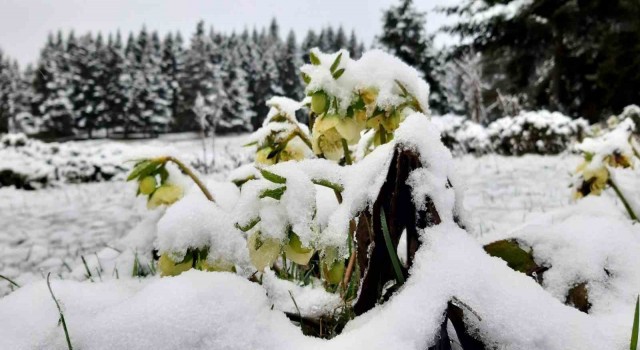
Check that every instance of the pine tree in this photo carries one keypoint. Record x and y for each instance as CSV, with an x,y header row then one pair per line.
x,y
250,61
149,107
201,76
87,72
53,90
118,85
353,46
340,40
235,108
9,85
267,79
404,36
172,67
289,61
577,57
310,41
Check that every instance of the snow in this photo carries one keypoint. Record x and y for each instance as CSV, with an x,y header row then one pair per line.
x,y
505,197
195,222
375,70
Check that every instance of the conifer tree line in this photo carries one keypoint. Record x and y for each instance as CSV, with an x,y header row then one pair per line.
x,y
581,58
141,84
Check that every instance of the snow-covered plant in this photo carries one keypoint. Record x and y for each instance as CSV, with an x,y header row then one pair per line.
x,y
614,149
462,135
301,203
27,163
539,132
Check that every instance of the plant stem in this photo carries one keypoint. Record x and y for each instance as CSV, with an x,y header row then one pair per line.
x,y
185,169
337,188
623,200
392,252
635,152
297,309
64,324
9,280
347,154
352,256
300,132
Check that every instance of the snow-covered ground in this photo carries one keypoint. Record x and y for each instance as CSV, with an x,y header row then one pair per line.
x,y
51,229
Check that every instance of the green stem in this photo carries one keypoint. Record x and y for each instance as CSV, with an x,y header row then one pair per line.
x,y
347,154
300,132
623,200
337,188
383,135
9,280
64,324
392,252
185,169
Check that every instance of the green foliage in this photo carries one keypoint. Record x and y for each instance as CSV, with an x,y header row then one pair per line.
x,y
516,257
578,57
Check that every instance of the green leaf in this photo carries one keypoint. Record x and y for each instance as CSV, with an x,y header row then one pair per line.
x,y
250,144
338,73
329,184
634,330
405,93
240,182
306,78
275,193
336,63
164,174
314,59
517,258
248,226
138,169
275,178
392,251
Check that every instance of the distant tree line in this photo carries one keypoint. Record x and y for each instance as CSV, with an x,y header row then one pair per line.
x,y
581,58
97,86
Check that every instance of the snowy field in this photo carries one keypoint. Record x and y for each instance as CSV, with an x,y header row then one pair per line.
x,y
529,196
50,230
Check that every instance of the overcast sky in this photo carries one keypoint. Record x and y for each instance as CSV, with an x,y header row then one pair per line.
x,y
24,24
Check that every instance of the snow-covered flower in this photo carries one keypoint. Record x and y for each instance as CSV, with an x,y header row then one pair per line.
x,y
328,133
165,195
263,251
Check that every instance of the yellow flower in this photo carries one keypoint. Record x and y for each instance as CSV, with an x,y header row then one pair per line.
x,y
263,251
618,160
596,178
164,195
369,95
296,252
328,132
389,122
218,265
168,267
295,150
262,154
332,266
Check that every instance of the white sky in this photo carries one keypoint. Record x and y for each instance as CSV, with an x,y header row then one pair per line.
x,y
24,24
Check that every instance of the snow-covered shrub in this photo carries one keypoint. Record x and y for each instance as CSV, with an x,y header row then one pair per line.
x,y
30,164
462,135
539,132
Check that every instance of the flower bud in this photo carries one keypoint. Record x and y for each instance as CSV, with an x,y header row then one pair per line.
x,y
147,185
319,102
